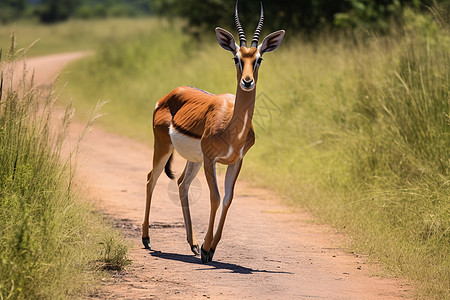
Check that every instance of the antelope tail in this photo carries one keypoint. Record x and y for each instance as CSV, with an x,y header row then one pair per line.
x,y
167,169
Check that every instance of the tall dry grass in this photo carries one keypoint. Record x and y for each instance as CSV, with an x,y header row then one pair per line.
x,y
52,244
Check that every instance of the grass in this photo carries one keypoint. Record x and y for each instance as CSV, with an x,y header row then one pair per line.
x,y
52,244
73,35
355,129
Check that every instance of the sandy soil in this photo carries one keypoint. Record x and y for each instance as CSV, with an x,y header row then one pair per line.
x,y
268,251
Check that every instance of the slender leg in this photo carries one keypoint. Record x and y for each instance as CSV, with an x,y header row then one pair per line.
x,y
210,172
230,181
189,173
161,155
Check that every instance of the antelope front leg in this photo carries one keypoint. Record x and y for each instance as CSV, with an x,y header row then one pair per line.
x,y
210,171
230,181
184,183
161,155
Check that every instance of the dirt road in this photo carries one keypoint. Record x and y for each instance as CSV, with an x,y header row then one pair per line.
x,y
268,250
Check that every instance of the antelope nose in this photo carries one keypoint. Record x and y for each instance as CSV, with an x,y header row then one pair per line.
x,y
247,83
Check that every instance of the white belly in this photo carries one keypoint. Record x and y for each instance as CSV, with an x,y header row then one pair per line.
x,y
186,146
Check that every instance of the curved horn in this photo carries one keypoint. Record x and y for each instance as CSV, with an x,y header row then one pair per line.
x,y
258,29
242,39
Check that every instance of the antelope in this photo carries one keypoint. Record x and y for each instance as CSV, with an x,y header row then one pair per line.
x,y
209,129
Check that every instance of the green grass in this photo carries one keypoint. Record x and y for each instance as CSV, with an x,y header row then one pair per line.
x,y
352,128
52,244
73,35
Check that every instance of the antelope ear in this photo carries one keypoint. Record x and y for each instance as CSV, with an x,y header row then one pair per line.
x,y
271,42
226,40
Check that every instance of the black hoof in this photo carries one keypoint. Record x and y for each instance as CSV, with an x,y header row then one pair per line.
x,y
211,254
195,249
204,255
146,242
207,256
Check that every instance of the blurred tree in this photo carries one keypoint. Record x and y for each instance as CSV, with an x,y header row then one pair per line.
x,y
11,9
295,15
51,11
114,8
374,14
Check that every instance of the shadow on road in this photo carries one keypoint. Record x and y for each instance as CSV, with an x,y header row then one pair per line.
x,y
211,265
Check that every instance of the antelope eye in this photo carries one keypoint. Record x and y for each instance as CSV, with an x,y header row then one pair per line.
x,y
259,60
236,60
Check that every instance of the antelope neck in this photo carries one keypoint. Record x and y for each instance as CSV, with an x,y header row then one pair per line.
x,y
244,106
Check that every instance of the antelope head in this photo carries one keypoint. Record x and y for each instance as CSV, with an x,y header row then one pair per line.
x,y
248,59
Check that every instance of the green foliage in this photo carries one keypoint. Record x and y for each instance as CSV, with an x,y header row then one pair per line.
x,y
56,10
113,8
370,14
293,16
11,10
290,15
48,239
306,16
356,129
52,11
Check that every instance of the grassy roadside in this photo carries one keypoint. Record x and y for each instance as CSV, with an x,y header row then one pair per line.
x,y
52,244
353,128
